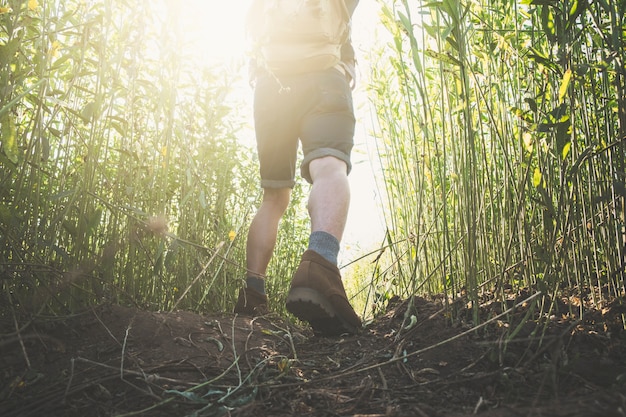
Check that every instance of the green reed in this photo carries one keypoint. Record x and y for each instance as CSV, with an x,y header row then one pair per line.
x,y
122,176
502,140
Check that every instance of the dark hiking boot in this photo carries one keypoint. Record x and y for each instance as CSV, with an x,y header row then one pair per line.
x,y
318,297
251,303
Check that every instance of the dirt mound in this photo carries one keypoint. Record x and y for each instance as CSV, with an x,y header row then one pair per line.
x,y
412,360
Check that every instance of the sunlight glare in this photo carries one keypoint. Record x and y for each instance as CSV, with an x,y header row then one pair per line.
x,y
214,31
214,34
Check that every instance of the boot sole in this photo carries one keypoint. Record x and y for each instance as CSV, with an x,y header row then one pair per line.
x,y
311,306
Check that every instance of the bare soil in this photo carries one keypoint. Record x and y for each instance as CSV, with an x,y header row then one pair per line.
x,y
412,360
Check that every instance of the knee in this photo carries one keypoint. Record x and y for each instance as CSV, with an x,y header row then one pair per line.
x,y
327,166
276,198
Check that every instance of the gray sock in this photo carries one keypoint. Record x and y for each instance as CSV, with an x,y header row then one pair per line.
x,y
326,245
256,283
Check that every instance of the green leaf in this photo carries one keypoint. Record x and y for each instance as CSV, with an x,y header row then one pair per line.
x,y
531,103
447,58
88,112
8,138
433,4
549,23
527,138
537,177
578,8
119,124
586,153
60,61
543,59
538,2
566,149
430,29
406,23
8,50
567,76
449,6
563,134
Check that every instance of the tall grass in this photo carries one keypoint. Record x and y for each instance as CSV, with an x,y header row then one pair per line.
x,y
122,178
502,136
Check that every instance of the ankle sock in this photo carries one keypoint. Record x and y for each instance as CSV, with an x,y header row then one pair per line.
x,y
256,283
325,244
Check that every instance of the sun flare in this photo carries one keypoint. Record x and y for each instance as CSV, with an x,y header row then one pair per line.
x,y
213,34
214,31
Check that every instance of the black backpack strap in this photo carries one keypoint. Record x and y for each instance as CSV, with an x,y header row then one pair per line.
x,y
347,50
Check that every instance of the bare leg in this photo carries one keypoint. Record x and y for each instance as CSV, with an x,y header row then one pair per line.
x,y
263,230
317,294
329,200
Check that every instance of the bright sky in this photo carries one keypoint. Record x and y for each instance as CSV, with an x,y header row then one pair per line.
x,y
216,32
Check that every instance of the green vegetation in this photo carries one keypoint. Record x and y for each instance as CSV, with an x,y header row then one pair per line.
x,y
121,175
501,130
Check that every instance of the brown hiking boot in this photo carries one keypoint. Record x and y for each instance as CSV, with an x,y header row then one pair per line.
x,y
317,296
251,303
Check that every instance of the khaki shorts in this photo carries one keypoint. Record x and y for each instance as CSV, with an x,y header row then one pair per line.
x,y
314,109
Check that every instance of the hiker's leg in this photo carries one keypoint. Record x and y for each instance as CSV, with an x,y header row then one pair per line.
x,y
263,230
329,200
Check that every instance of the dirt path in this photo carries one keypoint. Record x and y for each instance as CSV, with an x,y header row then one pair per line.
x,y
113,360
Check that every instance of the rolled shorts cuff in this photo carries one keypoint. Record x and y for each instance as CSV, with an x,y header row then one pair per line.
x,y
277,183
321,153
